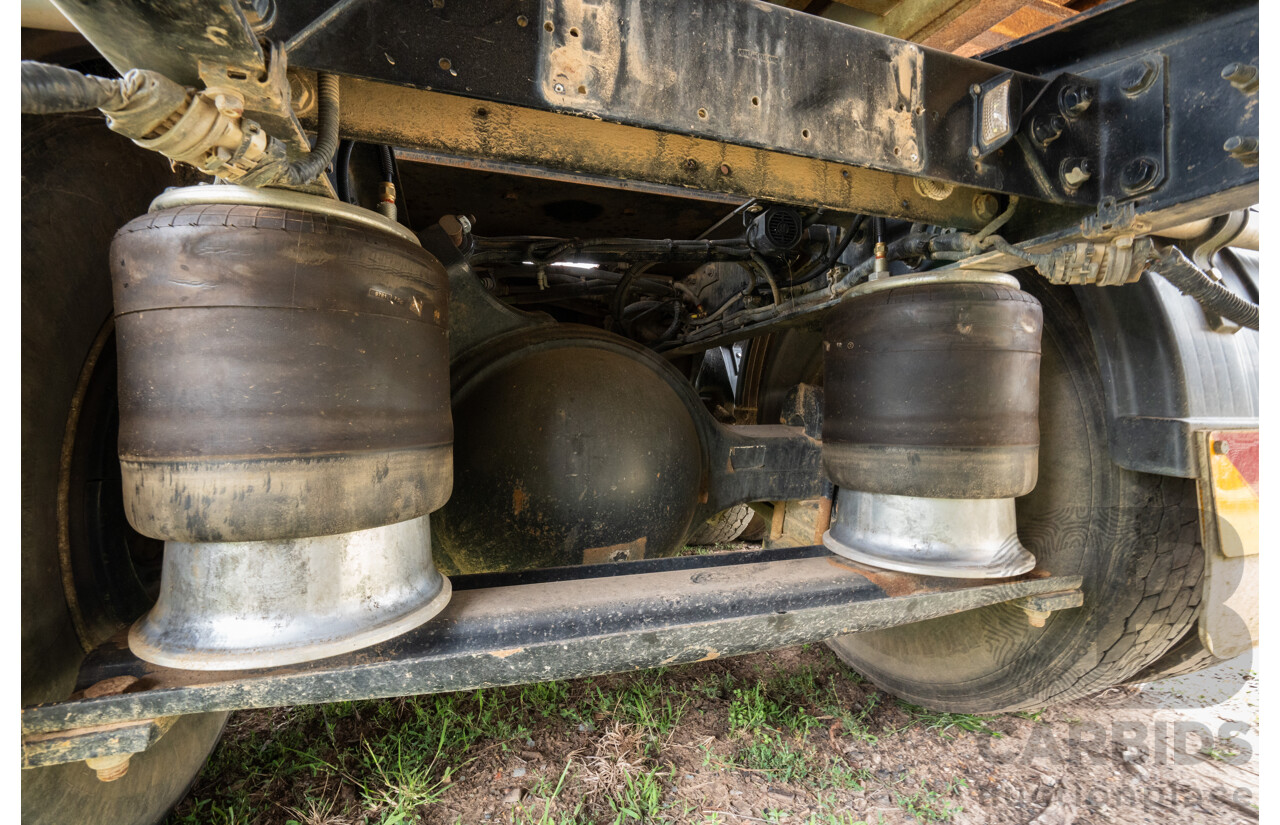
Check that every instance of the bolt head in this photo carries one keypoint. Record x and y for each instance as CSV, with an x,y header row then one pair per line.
x,y
985,206
1075,171
1139,174
109,768
1074,100
1240,145
559,87
229,105
1241,73
1137,77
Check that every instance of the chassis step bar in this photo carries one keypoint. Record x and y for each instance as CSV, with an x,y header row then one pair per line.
x,y
538,626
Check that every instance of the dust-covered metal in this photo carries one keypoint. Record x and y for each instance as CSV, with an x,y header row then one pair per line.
x,y
196,43
552,469
626,480
1039,608
587,621
283,369
117,739
956,537
235,605
561,144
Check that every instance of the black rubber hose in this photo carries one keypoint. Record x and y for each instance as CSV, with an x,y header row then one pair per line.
x,y
306,169
49,89
914,245
342,171
618,305
675,322
388,163
829,260
1174,267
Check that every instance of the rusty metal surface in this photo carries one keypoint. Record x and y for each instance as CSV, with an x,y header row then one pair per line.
x,y
738,72
47,749
759,80
502,635
493,131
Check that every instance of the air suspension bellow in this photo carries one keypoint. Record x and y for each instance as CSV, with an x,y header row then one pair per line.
x,y
931,423
284,423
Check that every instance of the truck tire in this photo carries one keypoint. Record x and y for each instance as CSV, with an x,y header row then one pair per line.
x,y
1187,656
1133,537
723,527
80,182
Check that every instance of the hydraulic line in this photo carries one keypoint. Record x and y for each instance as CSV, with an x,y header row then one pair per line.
x,y
1178,270
342,171
309,166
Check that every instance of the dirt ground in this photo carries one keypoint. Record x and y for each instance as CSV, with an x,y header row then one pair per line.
x,y
791,736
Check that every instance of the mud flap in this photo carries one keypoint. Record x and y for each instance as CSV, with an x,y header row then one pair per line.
x,y
1227,485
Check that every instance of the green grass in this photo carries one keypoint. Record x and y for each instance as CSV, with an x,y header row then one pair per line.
x,y
640,799
781,722
1219,754
926,805
947,724
774,759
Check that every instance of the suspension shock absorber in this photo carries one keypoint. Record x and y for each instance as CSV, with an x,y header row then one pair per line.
x,y
284,424
931,424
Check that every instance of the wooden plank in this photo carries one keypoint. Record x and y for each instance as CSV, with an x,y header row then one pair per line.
x,y
1030,18
1002,16
984,42
970,23
880,7
918,19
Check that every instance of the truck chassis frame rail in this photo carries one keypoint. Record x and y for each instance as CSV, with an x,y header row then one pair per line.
x,y
534,626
